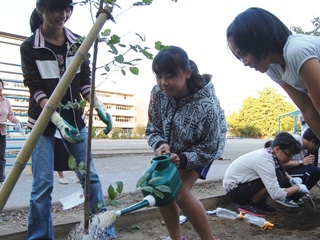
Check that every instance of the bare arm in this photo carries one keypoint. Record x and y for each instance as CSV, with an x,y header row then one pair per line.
x,y
306,106
310,74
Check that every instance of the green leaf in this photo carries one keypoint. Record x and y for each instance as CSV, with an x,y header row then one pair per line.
x,y
142,180
147,2
142,39
154,180
148,55
158,193
111,192
136,60
107,68
114,202
134,48
123,72
147,189
82,166
163,188
114,39
119,186
72,162
106,32
83,103
122,45
119,58
134,70
113,49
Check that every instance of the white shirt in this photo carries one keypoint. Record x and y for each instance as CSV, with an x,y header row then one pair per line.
x,y
298,49
251,166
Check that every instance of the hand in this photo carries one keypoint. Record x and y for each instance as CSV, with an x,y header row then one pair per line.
x,y
103,115
303,189
295,181
308,160
67,131
164,148
19,128
175,159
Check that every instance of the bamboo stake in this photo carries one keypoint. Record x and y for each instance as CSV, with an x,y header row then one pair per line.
x,y
50,107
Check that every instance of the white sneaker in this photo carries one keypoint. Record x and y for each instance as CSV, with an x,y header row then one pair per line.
x,y
288,203
63,181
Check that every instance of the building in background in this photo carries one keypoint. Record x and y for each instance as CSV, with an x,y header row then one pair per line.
x,y
121,104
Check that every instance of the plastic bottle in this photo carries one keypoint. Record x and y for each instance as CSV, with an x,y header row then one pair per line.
x,y
258,221
226,213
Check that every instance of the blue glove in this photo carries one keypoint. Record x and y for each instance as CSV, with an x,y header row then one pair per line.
x,y
67,131
295,181
103,115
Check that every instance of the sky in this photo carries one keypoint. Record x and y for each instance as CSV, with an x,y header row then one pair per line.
x,y
198,27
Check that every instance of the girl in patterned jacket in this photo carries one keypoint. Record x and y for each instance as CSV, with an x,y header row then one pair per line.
x,y
185,120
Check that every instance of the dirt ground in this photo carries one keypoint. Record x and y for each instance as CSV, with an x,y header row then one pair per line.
x,y
302,223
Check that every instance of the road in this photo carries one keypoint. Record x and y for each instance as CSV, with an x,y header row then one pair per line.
x,y
122,160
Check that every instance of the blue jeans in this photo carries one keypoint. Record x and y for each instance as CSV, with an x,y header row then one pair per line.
x,y
40,219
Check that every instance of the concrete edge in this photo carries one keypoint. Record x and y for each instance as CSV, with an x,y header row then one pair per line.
x,y
63,228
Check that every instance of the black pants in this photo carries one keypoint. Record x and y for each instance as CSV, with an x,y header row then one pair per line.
x,y
2,157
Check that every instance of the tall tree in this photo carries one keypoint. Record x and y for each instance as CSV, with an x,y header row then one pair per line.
x,y
315,22
258,117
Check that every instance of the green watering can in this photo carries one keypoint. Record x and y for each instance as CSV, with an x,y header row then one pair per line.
x,y
161,166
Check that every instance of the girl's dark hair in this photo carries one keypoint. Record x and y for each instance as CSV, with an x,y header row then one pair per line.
x,y
285,140
47,6
2,83
173,60
258,32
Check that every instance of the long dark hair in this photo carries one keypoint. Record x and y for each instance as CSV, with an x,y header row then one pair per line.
x,y
258,32
174,59
47,6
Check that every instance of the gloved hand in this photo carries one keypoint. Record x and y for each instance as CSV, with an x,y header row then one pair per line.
x,y
303,189
103,115
19,128
67,131
295,181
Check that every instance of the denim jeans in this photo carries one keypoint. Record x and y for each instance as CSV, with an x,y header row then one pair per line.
x,y
40,218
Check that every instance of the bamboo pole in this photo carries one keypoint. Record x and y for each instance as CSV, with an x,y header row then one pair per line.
x,y
50,107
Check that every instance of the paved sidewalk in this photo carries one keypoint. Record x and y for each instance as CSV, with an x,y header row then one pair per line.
x,y
127,169
118,164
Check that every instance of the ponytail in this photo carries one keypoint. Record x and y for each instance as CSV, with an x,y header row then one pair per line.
x,y
35,20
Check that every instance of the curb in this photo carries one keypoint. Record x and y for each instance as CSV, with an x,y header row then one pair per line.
x,y
63,229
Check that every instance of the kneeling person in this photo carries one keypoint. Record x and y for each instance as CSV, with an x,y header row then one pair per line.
x,y
252,177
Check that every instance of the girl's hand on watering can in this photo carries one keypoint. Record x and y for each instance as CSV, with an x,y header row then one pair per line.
x,y
175,159
164,148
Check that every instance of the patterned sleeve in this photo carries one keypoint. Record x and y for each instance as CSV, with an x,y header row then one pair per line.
x,y
154,129
213,143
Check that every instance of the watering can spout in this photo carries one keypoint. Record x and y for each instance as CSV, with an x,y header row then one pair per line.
x,y
148,201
